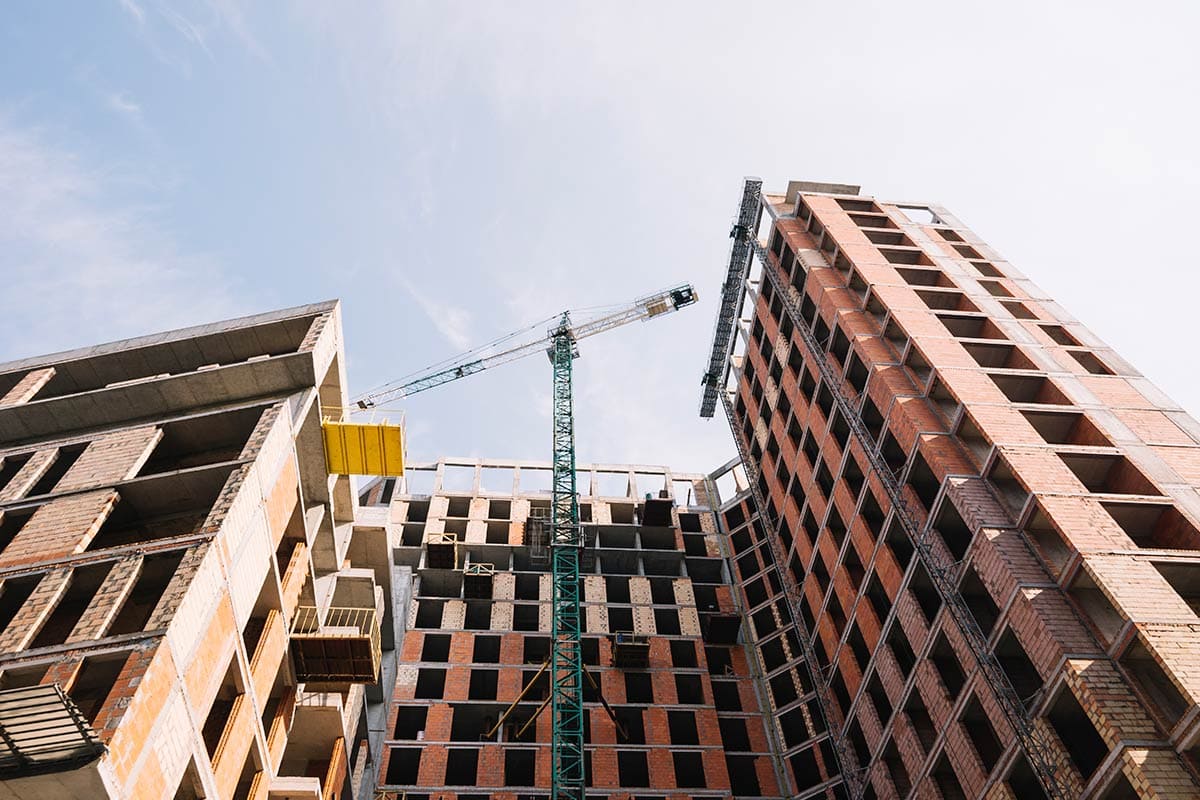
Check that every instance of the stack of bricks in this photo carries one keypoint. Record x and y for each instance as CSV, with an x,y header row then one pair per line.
x,y
1052,487
693,722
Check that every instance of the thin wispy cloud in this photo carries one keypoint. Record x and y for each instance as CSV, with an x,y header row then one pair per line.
x,y
453,323
81,267
198,26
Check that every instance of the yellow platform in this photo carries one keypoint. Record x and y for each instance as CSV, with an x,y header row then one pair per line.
x,y
353,448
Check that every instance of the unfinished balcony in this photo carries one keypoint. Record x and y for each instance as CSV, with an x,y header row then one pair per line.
x,y
42,731
630,650
335,647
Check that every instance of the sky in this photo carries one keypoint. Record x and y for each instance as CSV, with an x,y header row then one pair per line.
x,y
454,171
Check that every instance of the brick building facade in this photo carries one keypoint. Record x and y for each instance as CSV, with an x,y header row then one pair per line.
x,y
165,519
662,639
969,530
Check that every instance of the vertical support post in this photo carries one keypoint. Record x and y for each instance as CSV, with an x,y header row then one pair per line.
x,y
566,676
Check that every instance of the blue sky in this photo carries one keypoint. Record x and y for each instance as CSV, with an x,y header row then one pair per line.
x,y
453,171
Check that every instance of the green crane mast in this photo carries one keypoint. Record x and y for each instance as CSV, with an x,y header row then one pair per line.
x,y
560,343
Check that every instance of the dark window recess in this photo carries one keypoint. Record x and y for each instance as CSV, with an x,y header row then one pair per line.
x,y
783,689
633,720
725,696
638,688
979,729
918,717
95,681
953,529
862,752
1154,683
879,699
403,765
1020,670
900,545
926,595
84,583
410,721
923,482
1023,782
431,683
871,513
947,782
633,771
483,684
900,648
743,777
893,454
979,600
734,735
805,769
436,648
461,766
13,594
878,598
772,654
858,646
682,727
945,661
156,573
519,767
683,654
720,662
689,690
689,770
1079,736
896,770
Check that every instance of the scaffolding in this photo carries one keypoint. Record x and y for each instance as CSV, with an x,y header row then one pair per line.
x,y
731,294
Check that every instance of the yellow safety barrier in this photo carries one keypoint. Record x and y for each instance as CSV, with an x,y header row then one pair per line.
x,y
353,448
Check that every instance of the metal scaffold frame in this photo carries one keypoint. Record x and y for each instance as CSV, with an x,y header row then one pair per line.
x,y
731,295
566,673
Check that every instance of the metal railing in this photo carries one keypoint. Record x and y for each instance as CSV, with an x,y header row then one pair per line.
x,y
42,730
339,623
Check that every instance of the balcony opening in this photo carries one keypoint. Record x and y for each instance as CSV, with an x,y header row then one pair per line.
x,y
878,598
156,573
84,583
925,484
689,770
896,769
948,667
431,684
726,696
999,355
1090,362
1050,544
900,545
979,600
1108,473
220,713
436,648
946,300
1097,609
1154,525
918,717
483,683
95,681
925,593
67,456
1065,427
682,727
1012,493
901,650
1024,782
979,730
11,523
1021,673
633,769
410,722
13,594
403,766
1079,736
1036,389
971,326
805,769
879,699
638,688
462,765
519,767
1154,683
1060,335
1184,577
947,782
689,690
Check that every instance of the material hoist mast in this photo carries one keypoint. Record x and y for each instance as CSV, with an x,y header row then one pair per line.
x,y
566,540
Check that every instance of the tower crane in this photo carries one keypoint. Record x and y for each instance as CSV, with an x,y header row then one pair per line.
x,y
560,343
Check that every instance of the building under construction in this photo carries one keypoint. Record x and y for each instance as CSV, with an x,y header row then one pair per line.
x,y
190,604
970,538
956,557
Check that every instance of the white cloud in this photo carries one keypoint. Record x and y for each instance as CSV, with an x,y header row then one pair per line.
x,y
451,322
79,266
